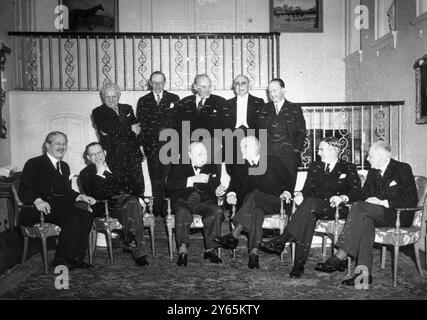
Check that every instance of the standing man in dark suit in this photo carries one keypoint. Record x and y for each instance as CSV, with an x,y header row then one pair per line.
x,y
117,127
101,183
193,189
155,112
45,186
285,124
242,110
329,183
256,195
390,184
203,110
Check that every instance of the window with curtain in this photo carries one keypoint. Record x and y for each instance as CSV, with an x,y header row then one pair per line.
x,y
421,7
352,27
385,17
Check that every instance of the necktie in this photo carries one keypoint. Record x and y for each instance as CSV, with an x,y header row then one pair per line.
x,y
107,174
327,169
158,99
58,167
200,105
197,168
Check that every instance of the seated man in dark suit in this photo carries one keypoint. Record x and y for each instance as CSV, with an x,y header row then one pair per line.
x,y
390,184
255,195
120,190
330,182
193,188
45,186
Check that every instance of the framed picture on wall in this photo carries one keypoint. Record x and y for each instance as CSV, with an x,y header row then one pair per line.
x,y
296,15
92,15
420,67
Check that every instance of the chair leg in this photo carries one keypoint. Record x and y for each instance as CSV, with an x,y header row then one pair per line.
x,y
348,266
94,241
233,253
24,254
44,254
383,254
170,240
110,246
282,256
153,249
417,258
396,258
293,245
90,246
325,238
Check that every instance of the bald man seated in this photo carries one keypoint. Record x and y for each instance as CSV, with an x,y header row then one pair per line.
x,y
193,188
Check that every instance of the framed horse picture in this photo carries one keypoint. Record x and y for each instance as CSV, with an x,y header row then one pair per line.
x,y
91,15
296,15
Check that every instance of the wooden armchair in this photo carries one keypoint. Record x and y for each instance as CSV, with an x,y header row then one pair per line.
x,y
170,225
40,230
398,236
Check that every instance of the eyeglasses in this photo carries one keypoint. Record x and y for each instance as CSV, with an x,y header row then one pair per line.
x,y
96,154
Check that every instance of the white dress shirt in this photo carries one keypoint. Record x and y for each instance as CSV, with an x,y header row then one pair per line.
x,y
54,161
198,100
279,105
242,111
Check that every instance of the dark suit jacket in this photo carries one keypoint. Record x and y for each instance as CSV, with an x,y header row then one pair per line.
x,y
342,180
230,112
153,119
289,123
274,181
123,153
397,185
106,188
176,182
209,117
40,179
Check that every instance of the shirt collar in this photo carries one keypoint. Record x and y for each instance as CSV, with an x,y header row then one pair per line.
x,y
198,98
332,165
52,159
243,98
384,167
279,104
160,94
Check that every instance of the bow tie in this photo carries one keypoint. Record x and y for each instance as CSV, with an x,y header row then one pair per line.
x,y
198,168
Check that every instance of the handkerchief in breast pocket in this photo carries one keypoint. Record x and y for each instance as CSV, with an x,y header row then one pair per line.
x,y
393,183
343,176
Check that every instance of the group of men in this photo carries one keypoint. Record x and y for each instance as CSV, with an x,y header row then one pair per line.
x,y
114,173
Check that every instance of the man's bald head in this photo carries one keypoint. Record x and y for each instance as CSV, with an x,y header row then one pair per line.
x,y
198,154
241,85
379,154
250,148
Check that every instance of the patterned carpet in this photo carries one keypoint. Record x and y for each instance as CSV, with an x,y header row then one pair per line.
x,y
201,280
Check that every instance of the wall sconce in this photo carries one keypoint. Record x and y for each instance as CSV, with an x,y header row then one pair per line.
x,y
3,51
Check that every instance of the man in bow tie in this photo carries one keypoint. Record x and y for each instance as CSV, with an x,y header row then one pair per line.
x,y
121,191
256,194
330,182
155,112
193,188
390,184
45,189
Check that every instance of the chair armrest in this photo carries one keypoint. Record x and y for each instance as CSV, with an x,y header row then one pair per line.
x,y
402,210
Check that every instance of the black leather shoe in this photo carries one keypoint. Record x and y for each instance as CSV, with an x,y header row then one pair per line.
x,y
78,264
253,261
227,241
331,265
273,246
61,262
212,256
350,281
297,270
182,260
141,261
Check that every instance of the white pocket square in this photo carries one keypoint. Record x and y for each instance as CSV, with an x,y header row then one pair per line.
x,y
343,176
172,105
393,183
214,175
